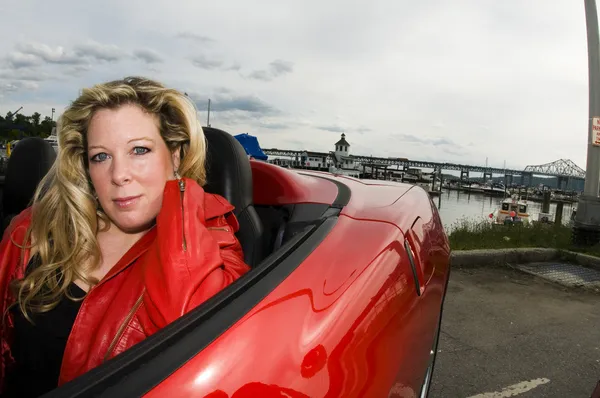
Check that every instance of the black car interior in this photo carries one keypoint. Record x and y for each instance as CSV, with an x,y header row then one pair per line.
x,y
228,174
29,162
263,229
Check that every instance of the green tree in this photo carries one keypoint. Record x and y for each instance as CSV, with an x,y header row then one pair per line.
x,y
35,118
15,134
19,126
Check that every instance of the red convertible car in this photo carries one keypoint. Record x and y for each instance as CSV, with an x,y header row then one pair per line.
x,y
344,298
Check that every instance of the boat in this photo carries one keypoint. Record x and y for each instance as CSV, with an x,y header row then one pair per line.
x,y
451,185
495,189
472,187
511,211
53,140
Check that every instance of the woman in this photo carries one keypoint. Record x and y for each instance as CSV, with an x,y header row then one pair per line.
x,y
120,240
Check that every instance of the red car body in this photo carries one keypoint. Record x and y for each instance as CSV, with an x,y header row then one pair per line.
x,y
348,322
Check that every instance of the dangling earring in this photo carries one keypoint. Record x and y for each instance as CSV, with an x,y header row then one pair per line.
x,y
180,181
97,201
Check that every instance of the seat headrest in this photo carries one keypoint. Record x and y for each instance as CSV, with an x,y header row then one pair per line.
x,y
29,162
228,171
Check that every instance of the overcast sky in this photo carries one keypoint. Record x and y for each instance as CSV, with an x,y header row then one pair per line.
x,y
444,80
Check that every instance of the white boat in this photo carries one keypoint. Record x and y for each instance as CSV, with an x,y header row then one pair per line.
x,y
450,185
53,140
472,187
512,210
495,189
410,177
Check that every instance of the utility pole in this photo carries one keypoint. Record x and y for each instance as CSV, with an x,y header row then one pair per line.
x,y
586,229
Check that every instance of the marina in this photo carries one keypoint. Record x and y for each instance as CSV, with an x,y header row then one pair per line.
x,y
456,206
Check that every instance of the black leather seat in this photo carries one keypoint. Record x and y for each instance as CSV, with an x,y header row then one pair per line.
x,y
29,162
229,174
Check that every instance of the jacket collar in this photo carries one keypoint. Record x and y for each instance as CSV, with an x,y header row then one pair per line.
x,y
135,251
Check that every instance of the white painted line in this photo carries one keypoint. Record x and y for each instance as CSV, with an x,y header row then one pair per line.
x,y
514,390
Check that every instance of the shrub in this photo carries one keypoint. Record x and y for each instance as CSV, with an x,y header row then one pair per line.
x,y
467,235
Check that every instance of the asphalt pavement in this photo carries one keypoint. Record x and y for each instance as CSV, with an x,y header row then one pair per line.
x,y
510,334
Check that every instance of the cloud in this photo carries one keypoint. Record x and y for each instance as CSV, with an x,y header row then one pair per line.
x,y
25,75
227,101
457,151
276,69
426,140
18,60
149,56
247,103
99,51
34,54
260,75
78,70
10,87
274,125
411,138
279,67
332,128
203,62
442,141
46,54
195,37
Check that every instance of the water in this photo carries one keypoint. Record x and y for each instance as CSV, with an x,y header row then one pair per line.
x,y
456,205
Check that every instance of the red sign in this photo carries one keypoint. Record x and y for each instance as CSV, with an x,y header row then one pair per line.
x,y
596,131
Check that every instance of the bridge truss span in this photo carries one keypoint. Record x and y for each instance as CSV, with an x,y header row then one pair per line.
x,y
561,167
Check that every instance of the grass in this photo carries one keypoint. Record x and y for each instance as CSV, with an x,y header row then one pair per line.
x,y
470,235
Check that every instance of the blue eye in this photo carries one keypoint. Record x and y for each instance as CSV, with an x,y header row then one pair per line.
x,y
140,150
100,157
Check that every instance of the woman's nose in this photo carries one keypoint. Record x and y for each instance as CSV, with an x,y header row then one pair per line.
x,y
120,171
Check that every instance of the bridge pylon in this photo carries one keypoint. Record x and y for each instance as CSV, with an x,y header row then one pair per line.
x,y
487,175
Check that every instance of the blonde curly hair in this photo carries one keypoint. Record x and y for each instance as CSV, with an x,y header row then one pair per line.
x,y
65,215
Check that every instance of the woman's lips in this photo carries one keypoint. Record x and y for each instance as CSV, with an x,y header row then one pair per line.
x,y
129,201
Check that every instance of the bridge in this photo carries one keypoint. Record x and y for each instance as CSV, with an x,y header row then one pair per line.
x,y
562,169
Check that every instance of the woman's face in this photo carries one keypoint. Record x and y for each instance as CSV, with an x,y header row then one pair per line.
x,y
129,164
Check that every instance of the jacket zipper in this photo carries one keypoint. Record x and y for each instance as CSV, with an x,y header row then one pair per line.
x,y
182,190
121,329
218,229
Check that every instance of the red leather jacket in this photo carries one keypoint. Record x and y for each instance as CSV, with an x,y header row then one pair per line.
x,y
187,257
